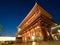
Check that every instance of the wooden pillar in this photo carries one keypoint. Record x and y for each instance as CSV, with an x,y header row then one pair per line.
x,y
23,38
40,34
30,35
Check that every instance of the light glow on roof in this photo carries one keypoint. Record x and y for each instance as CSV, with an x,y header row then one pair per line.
x,y
55,27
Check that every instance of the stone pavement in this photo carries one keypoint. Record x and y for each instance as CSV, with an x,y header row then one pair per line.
x,y
41,43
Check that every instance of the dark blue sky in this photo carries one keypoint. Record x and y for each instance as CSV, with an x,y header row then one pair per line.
x,y
12,12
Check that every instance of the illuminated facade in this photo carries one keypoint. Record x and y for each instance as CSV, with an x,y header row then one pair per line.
x,y
6,38
36,25
56,32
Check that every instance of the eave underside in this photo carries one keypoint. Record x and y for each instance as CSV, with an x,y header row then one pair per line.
x,y
30,14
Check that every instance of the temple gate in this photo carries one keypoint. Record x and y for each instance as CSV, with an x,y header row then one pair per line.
x,y
36,25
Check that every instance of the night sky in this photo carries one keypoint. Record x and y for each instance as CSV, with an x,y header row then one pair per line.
x,y
12,12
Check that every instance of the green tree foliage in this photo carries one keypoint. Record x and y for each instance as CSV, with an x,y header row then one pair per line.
x,y
0,27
